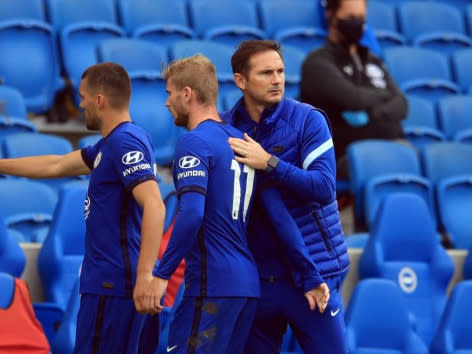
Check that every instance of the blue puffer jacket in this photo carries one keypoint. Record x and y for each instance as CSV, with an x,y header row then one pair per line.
x,y
300,136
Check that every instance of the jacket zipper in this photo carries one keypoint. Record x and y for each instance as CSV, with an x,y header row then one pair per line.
x,y
323,235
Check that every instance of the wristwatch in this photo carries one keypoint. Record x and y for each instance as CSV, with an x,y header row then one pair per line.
x,y
272,163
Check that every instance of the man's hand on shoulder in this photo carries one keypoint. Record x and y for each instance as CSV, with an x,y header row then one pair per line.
x,y
250,152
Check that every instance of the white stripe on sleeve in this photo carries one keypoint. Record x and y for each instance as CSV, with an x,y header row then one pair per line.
x,y
312,156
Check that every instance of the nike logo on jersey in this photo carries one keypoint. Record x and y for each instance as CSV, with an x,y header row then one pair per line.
x,y
169,349
334,313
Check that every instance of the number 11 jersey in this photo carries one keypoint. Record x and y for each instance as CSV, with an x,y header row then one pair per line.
x,y
219,263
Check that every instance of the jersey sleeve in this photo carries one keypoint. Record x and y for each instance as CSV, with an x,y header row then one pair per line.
x,y
89,154
133,160
191,165
315,178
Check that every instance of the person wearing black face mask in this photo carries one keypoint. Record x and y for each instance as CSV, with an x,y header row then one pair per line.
x,y
351,84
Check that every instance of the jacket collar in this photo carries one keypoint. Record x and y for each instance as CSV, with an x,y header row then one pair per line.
x,y
269,116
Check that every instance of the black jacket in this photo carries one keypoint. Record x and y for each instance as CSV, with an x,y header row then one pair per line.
x,y
332,82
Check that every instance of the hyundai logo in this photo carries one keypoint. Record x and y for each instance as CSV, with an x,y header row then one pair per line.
x,y
189,162
132,157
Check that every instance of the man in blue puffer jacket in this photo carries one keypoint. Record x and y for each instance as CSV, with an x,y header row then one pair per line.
x,y
291,142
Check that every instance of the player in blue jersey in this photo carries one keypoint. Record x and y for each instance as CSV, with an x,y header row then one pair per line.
x,y
124,215
215,197
292,142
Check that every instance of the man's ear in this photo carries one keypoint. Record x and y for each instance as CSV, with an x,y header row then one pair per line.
x,y
240,80
187,94
100,100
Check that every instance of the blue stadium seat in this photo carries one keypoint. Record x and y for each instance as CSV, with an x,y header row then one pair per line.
x,y
148,110
293,60
64,13
13,114
377,320
219,53
357,240
12,103
22,9
420,126
455,117
382,18
27,207
229,22
448,159
88,140
467,268
134,55
461,69
454,204
300,27
82,25
468,16
38,80
30,144
61,255
459,4
12,256
378,188
453,335
160,21
230,98
421,72
403,247
440,26
373,158
64,341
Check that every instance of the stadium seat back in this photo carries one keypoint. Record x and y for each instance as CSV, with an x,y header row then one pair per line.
x,y
453,335
409,253
377,320
61,255
448,159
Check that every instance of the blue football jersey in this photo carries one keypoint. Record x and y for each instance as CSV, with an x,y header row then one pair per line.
x,y
219,263
119,162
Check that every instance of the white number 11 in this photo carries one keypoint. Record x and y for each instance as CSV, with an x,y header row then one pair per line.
x,y
235,166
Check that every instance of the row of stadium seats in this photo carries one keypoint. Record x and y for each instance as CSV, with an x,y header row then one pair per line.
x,y
24,33
443,179
434,25
449,119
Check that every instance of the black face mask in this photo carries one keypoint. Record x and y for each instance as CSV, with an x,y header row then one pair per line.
x,y
351,29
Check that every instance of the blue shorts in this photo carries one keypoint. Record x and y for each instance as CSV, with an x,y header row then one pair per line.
x,y
111,325
281,303
212,325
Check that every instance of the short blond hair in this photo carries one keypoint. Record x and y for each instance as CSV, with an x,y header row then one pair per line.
x,y
196,72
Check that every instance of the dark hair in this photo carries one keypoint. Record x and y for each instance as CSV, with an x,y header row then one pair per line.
x,y
241,57
333,5
111,80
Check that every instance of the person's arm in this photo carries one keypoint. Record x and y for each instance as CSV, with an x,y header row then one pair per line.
x,y
304,270
315,179
184,234
288,233
148,196
322,80
191,184
396,108
45,166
